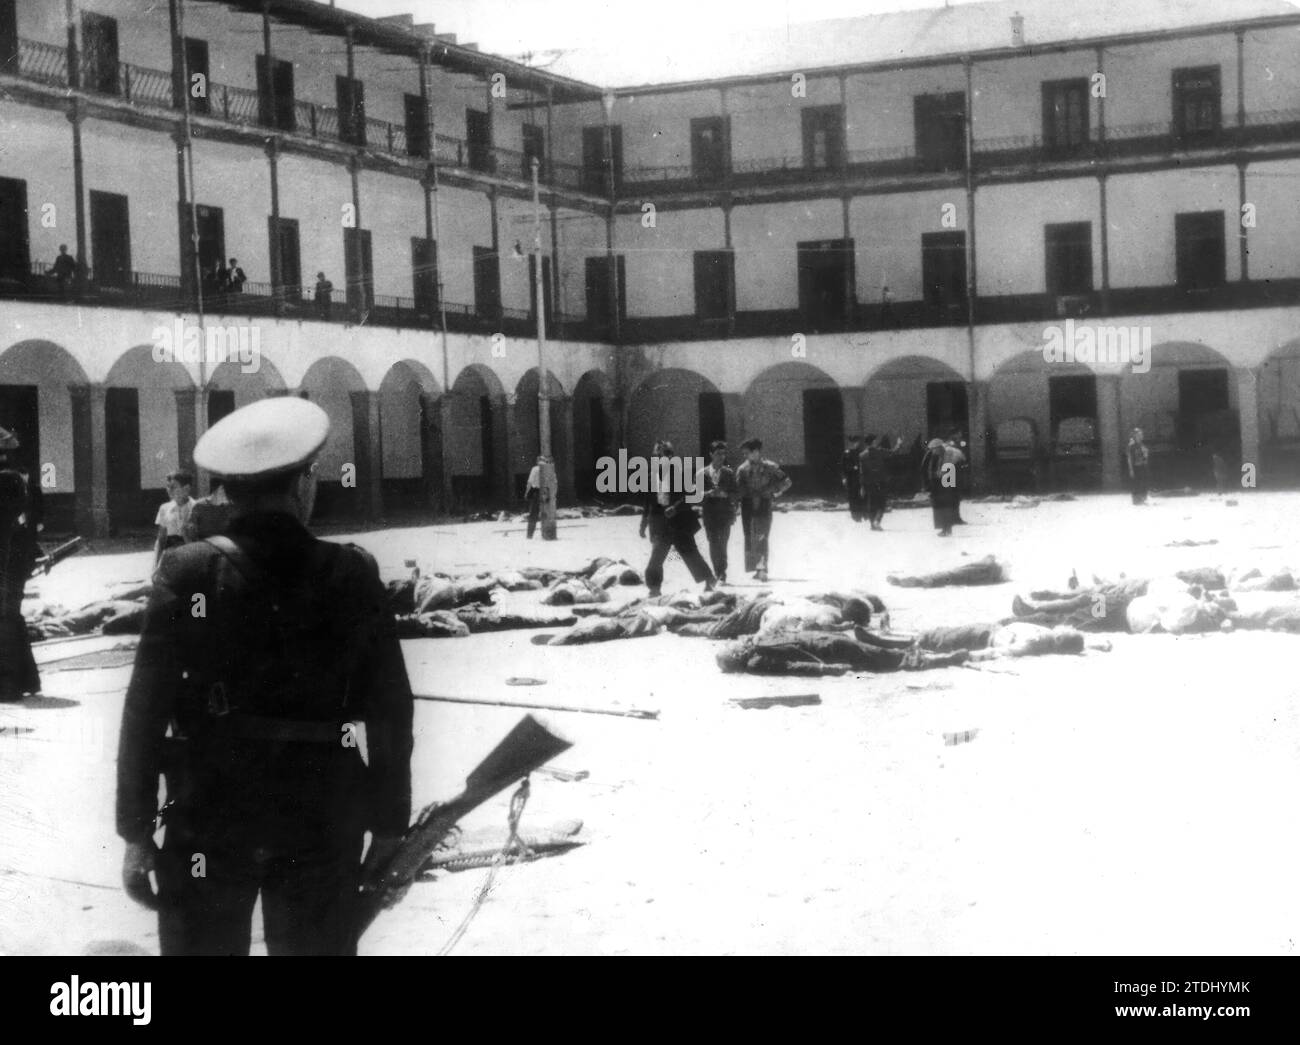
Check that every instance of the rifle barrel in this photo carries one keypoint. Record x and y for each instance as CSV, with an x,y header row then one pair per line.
x,y
644,713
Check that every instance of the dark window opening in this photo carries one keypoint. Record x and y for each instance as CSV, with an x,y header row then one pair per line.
x,y
597,167
709,148
715,283
1065,115
424,268
940,122
99,61
946,408
417,126
534,149
826,279
487,283
289,277
110,239
1069,257
9,36
351,96
15,256
1073,396
478,136
823,137
359,270
196,65
282,114
599,289
221,402
943,268
1199,243
1198,103
713,420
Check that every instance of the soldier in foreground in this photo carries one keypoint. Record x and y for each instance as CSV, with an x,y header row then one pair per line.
x,y
260,651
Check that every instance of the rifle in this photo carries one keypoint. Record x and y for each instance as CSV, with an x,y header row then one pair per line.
x,y
47,562
525,748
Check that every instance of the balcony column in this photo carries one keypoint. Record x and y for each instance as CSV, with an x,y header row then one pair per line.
x,y
977,393
561,408
75,115
850,291
494,215
355,290
433,463
367,453
1243,234
557,306
277,260
726,243
491,125
1241,79
1248,418
615,322
90,459
1110,430
1104,245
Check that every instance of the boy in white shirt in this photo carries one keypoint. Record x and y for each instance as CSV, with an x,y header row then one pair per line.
x,y
173,514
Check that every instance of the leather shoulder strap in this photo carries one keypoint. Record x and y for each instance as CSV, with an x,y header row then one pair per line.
x,y
240,559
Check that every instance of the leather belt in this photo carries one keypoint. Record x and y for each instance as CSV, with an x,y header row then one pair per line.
x,y
262,727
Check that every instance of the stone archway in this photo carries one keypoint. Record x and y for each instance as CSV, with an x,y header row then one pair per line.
x,y
799,413
476,439
348,467
410,422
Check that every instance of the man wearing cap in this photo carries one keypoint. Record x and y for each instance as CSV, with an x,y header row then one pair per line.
x,y
18,552
261,652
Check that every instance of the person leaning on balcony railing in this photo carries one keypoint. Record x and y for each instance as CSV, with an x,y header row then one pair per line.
x,y
324,295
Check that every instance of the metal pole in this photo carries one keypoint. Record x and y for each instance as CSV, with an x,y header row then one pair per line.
x,y
194,212
546,469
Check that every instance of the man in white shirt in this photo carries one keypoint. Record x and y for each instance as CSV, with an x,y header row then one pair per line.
x,y
173,514
533,495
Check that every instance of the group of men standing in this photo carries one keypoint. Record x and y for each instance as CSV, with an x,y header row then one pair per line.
x,y
670,522
865,474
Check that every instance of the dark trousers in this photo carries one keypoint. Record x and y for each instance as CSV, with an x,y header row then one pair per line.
x,y
1141,483
309,896
857,503
874,501
534,510
757,524
718,531
665,538
18,674
943,500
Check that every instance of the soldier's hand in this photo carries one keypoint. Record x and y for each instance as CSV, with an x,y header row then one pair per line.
x,y
382,848
643,529
139,860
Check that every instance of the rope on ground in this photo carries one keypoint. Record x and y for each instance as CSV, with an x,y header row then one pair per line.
x,y
513,844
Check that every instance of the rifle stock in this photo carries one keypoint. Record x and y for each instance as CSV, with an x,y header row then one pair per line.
x,y
525,748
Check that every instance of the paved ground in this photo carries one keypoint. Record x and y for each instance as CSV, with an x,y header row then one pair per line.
x,y
1139,801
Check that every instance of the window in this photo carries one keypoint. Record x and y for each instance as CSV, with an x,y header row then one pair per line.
x,y
534,147
99,53
947,408
212,245
598,275
715,283
285,245
825,283
709,153
417,126
196,64
8,35
1197,102
1065,115
15,261
359,268
110,239
940,123
943,268
713,420
823,137
1069,257
351,96
478,136
596,166
487,284
424,270
1198,240
281,114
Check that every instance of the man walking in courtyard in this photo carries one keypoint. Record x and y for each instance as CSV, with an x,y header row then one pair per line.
x,y
759,482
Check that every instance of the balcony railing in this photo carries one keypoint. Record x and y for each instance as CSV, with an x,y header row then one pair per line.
x,y
42,62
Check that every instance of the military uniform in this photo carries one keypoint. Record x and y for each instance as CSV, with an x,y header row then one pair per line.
x,y
19,517
258,654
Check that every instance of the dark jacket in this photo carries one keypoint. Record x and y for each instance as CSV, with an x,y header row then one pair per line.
x,y
299,634
677,517
719,504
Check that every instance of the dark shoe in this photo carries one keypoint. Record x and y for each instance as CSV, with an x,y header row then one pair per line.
x,y
653,593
